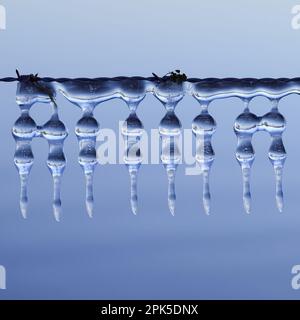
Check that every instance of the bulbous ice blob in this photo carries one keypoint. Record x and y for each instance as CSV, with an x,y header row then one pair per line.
x,y
170,125
23,156
132,126
205,154
277,151
245,152
246,122
204,123
87,127
56,160
87,154
54,129
24,127
273,122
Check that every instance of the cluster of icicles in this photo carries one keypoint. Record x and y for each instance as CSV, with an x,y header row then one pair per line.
x,y
88,93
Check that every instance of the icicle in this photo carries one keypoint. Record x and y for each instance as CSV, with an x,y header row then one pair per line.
x,y
56,197
133,189
29,91
55,133
206,192
24,130
87,129
171,171
245,126
275,124
89,193
133,91
23,194
204,127
132,131
169,92
87,94
170,132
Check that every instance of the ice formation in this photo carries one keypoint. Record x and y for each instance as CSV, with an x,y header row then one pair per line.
x,y
89,93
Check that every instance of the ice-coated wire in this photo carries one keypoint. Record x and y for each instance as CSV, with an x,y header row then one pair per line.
x,y
88,93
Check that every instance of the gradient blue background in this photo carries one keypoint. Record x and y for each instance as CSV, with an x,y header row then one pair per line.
x,y
153,255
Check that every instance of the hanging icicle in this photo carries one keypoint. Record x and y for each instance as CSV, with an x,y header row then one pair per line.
x,y
55,133
246,124
87,95
169,92
24,130
133,92
274,123
204,126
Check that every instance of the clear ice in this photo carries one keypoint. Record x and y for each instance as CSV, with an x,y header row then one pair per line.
x,y
54,131
132,130
88,93
169,93
275,124
204,126
246,125
23,131
86,131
